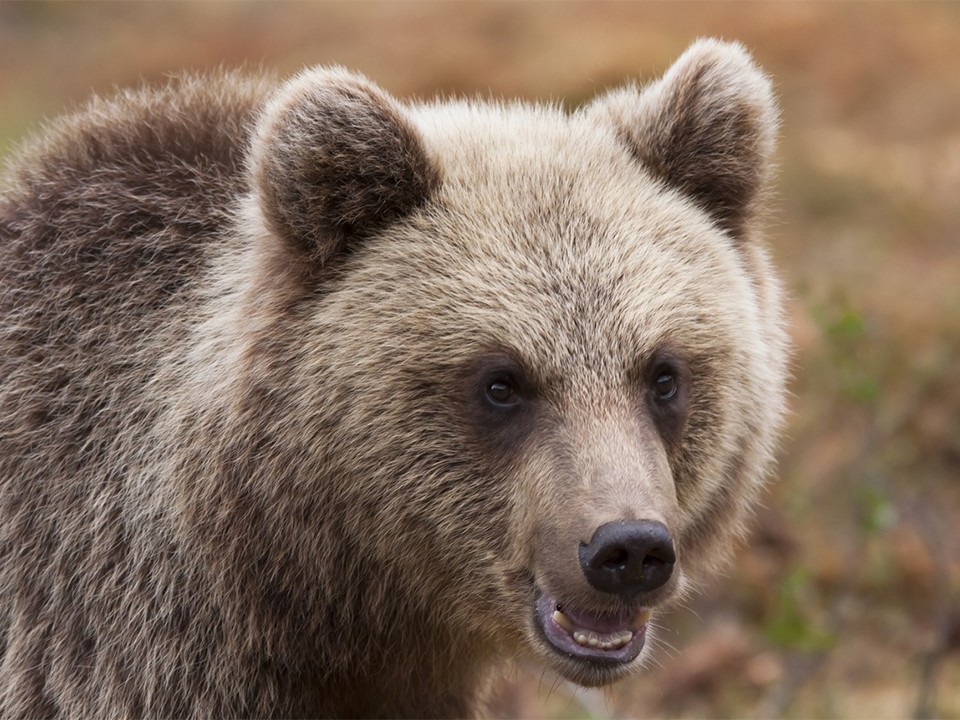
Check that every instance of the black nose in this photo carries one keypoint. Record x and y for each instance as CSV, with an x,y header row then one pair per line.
x,y
628,557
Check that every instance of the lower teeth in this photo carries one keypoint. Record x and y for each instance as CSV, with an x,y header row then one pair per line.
x,y
611,641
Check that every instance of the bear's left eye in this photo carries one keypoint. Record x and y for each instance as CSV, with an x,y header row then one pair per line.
x,y
502,393
665,385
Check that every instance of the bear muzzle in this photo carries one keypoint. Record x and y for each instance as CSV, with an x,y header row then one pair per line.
x,y
595,621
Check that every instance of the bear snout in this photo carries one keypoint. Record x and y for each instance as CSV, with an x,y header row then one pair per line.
x,y
593,599
628,558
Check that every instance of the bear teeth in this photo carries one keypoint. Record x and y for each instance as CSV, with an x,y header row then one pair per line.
x,y
563,621
603,641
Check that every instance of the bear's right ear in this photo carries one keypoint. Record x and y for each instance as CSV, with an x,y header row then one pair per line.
x,y
334,159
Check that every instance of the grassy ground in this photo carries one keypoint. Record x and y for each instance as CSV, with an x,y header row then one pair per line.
x,y
846,600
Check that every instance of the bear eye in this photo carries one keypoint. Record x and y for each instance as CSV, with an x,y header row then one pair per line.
x,y
502,393
665,383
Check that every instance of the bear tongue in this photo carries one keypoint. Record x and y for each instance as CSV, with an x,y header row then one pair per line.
x,y
603,622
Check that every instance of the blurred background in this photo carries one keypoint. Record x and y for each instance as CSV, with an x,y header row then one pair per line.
x,y
845,599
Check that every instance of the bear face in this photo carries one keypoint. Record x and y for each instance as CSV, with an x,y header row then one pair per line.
x,y
455,381
567,327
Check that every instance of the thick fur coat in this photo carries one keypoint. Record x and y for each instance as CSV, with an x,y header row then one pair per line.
x,y
313,402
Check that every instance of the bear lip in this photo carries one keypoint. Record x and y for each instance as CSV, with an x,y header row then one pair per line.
x,y
617,638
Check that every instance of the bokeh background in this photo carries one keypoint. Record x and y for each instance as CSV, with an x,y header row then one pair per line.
x,y
845,599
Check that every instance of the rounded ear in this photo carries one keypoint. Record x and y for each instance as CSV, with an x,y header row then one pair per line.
x,y
706,128
333,159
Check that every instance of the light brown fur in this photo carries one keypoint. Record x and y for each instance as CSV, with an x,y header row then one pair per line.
x,y
246,466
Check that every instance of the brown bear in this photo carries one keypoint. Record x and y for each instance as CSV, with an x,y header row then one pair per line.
x,y
315,402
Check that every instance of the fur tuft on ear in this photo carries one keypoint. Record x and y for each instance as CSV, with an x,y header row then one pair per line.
x,y
334,158
706,128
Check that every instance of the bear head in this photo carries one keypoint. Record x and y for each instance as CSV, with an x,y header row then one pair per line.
x,y
538,356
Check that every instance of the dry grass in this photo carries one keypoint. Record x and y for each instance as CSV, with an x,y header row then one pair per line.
x,y
846,600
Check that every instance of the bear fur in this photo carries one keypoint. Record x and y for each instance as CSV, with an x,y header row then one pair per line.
x,y
309,396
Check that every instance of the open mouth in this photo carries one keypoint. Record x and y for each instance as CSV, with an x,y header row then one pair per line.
x,y
607,638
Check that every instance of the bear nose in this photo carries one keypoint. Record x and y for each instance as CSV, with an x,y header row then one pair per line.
x,y
628,557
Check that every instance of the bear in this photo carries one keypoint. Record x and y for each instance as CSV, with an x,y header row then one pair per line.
x,y
318,402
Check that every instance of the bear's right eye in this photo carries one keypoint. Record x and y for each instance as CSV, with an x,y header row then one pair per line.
x,y
502,394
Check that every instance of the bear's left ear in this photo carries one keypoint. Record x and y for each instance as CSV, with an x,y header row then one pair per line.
x,y
334,158
706,128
